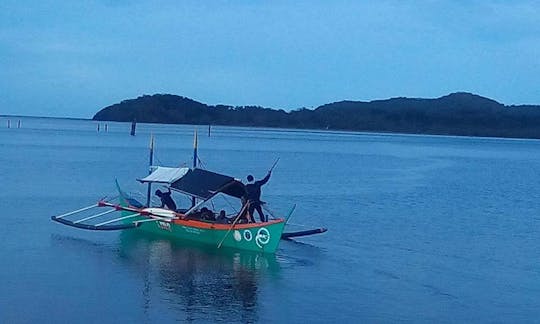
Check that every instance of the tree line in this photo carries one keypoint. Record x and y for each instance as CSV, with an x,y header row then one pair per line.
x,y
455,114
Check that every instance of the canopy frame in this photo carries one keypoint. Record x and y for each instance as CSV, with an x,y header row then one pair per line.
x,y
196,183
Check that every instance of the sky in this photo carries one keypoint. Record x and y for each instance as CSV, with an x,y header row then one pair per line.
x,y
72,58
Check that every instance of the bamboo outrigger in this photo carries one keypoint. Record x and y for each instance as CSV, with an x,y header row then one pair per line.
x,y
202,186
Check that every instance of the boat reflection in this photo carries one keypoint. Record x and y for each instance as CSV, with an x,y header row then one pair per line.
x,y
201,283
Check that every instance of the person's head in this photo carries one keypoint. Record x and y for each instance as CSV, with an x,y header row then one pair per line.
x,y
222,213
159,193
250,178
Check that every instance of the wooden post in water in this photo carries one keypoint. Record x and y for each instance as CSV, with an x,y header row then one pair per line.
x,y
133,126
8,123
209,127
19,124
106,127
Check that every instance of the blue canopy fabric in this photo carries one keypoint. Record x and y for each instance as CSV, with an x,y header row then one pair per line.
x,y
204,184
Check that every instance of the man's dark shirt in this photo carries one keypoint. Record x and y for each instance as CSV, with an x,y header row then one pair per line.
x,y
253,190
166,200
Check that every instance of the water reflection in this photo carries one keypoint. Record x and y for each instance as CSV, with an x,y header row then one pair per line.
x,y
199,282
176,281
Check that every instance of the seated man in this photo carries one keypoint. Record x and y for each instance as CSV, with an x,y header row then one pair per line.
x,y
245,217
222,218
166,200
207,214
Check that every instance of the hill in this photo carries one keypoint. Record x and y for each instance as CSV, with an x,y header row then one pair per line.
x,y
455,114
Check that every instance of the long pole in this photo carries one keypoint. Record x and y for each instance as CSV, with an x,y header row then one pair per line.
x,y
232,226
151,162
195,158
273,165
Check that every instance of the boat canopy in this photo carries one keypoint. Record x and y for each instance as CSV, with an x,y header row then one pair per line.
x,y
165,175
204,184
196,182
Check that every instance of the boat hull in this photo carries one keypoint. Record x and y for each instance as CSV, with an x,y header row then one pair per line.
x,y
259,237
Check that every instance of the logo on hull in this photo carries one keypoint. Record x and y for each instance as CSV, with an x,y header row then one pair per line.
x,y
237,236
164,226
262,237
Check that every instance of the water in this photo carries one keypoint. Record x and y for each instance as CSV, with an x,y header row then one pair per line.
x,y
421,228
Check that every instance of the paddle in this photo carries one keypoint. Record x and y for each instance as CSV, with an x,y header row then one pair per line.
x,y
234,223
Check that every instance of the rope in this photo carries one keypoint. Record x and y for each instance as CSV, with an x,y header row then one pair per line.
x,y
231,205
156,157
268,210
201,163
107,198
274,217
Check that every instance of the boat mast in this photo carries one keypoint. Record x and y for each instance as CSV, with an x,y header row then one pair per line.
x,y
151,161
195,158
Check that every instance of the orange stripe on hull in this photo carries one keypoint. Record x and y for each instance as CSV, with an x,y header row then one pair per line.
x,y
200,224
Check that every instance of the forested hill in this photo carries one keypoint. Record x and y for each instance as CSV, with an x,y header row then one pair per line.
x,y
455,114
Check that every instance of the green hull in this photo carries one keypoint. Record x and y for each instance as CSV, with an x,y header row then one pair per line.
x,y
264,238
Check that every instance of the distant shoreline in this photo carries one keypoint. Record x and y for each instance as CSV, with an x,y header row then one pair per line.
x,y
292,130
456,114
44,117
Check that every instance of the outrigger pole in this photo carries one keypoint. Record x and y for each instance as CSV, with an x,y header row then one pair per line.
x,y
104,226
151,162
287,236
76,211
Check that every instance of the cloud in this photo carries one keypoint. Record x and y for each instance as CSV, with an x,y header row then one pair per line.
x,y
277,53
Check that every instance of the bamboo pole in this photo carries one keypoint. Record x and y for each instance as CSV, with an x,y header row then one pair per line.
x,y
94,216
118,219
77,211
234,223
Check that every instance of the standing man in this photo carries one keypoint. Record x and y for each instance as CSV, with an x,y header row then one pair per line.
x,y
166,199
253,195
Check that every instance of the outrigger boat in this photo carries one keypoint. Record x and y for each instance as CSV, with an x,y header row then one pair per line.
x,y
202,186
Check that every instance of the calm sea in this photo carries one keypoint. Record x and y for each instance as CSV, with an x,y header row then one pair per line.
x,y
420,228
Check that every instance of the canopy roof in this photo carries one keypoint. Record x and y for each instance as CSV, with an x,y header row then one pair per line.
x,y
165,175
197,182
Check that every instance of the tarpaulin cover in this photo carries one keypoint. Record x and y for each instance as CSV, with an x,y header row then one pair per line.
x,y
165,175
203,184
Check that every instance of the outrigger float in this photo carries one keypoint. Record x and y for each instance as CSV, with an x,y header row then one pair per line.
x,y
201,186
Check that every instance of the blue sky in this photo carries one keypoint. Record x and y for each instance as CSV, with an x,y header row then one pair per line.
x,y
72,58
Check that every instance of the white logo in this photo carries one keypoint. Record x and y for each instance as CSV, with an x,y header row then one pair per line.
x,y
164,226
237,236
262,237
247,235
